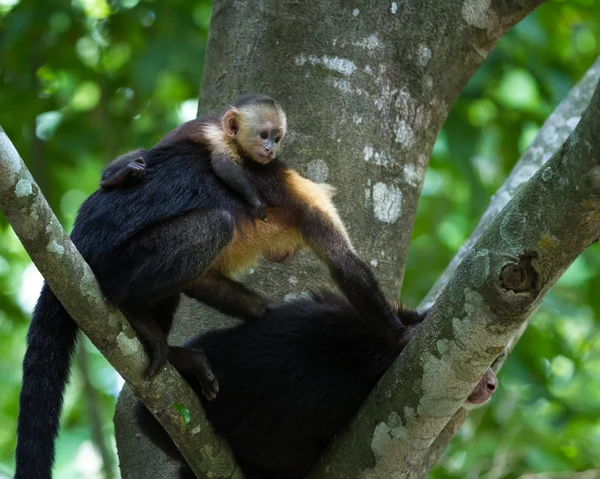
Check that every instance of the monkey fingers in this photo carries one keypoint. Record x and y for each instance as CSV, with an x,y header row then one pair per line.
x,y
403,341
194,361
137,168
169,256
133,170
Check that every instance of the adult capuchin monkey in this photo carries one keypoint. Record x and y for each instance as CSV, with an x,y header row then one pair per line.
x,y
182,229
291,382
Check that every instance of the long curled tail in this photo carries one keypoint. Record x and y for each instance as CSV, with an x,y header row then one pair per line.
x,y
50,344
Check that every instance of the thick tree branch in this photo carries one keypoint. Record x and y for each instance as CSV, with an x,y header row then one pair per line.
x,y
551,136
74,284
542,230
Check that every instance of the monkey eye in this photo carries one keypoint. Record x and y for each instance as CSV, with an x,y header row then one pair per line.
x,y
278,139
264,135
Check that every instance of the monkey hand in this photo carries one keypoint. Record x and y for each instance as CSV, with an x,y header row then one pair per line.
x,y
257,308
137,168
409,330
259,210
129,174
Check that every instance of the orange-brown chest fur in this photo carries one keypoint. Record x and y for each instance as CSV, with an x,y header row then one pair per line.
x,y
253,240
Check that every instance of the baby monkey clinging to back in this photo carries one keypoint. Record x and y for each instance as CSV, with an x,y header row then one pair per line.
x,y
250,130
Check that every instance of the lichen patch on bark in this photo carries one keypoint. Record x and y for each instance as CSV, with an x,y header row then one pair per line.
x,y
56,248
387,202
475,12
128,346
23,188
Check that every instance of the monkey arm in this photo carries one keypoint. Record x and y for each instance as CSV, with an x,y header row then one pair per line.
x,y
235,178
228,296
353,276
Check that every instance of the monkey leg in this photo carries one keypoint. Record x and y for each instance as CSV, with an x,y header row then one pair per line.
x,y
194,361
161,260
153,324
156,264
229,297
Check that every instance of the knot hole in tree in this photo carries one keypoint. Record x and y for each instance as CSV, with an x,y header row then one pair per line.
x,y
520,276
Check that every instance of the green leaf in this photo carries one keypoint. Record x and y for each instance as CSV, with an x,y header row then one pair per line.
x,y
184,413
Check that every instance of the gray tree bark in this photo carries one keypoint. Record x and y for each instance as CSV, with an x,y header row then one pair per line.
x,y
74,284
502,279
551,136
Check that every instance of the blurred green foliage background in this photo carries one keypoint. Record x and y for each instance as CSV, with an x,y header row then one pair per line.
x,y
84,81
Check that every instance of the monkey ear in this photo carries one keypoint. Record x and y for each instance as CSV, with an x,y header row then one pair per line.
x,y
230,123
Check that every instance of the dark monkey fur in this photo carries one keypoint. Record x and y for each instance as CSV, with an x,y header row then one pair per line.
x,y
181,230
290,382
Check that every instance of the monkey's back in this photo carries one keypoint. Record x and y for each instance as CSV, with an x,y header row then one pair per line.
x,y
290,382
178,180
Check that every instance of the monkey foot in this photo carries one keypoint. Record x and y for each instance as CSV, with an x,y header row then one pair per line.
x,y
158,360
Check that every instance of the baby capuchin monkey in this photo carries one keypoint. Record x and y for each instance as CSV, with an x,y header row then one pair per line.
x,y
291,382
250,130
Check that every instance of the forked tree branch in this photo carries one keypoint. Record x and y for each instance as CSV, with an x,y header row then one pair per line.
x,y
551,136
74,284
502,279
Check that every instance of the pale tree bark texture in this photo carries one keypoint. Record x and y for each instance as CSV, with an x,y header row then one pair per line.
x,y
551,136
366,86
501,280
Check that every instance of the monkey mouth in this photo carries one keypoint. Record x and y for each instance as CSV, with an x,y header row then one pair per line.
x,y
264,159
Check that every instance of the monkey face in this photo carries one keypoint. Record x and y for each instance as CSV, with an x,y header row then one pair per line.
x,y
262,141
260,131
483,391
262,144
